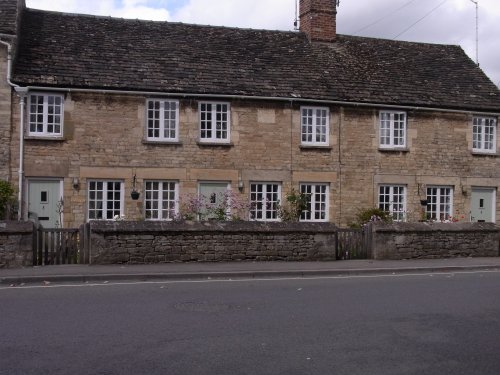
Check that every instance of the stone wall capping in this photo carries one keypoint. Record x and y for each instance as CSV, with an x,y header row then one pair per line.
x,y
16,227
102,226
434,227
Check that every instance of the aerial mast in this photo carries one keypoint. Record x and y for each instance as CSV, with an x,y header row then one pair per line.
x,y
477,30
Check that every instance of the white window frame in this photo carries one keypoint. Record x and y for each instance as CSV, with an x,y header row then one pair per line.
x,y
163,120
316,118
436,210
316,198
105,200
45,113
480,126
212,123
156,201
392,199
260,208
388,129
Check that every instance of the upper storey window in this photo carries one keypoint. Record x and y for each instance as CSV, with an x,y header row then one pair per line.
x,y
45,115
214,122
163,120
314,126
392,129
484,132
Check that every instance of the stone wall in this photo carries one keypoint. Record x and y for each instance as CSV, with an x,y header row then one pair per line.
x,y
435,240
265,147
16,244
158,242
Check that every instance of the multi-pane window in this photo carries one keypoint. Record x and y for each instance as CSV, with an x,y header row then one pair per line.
x,y
45,115
163,120
392,129
214,122
105,200
317,202
392,199
314,125
161,200
484,131
264,201
439,203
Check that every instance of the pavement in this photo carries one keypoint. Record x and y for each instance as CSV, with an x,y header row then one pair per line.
x,y
232,270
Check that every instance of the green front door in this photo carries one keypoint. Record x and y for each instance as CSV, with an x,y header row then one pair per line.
x,y
483,205
45,202
213,195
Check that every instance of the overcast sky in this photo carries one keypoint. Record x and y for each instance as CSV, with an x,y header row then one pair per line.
x,y
431,21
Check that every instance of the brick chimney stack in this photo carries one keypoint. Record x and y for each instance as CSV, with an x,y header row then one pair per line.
x,y
318,19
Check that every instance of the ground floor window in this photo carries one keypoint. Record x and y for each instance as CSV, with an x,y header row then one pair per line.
x,y
392,199
264,201
161,200
317,203
439,203
105,200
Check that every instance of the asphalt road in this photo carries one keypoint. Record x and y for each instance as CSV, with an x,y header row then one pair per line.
x,y
420,324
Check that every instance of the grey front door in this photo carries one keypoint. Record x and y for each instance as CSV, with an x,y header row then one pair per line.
x,y
482,205
45,202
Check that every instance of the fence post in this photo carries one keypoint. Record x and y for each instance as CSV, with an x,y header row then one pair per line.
x,y
337,244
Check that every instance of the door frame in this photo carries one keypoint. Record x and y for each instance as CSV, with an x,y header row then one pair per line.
x,y
27,193
492,190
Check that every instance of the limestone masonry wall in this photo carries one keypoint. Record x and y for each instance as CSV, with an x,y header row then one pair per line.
x,y
104,138
159,242
16,244
435,240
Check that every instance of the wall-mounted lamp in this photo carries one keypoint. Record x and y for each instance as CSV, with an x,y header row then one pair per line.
x,y
241,185
76,183
134,194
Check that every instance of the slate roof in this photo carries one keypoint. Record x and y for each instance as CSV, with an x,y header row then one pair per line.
x,y
80,51
8,15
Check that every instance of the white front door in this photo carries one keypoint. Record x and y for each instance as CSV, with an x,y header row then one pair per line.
x,y
45,202
483,205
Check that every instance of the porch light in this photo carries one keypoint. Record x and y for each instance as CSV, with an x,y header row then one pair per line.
x,y
76,183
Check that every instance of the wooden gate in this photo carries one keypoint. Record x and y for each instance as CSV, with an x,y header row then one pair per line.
x,y
54,246
353,243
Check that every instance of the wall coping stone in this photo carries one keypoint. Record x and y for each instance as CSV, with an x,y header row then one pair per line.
x,y
137,227
434,227
16,227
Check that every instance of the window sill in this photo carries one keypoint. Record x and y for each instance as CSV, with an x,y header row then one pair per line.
x,y
484,153
43,138
215,144
315,147
402,149
161,143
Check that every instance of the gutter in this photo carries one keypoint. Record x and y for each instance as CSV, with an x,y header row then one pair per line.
x,y
250,97
22,91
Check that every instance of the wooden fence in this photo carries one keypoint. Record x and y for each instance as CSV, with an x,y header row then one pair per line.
x,y
61,246
353,243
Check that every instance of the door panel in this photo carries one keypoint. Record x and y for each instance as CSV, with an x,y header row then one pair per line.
x,y
44,202
482,205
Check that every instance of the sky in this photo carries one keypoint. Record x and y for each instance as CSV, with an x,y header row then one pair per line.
x,y
429,21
